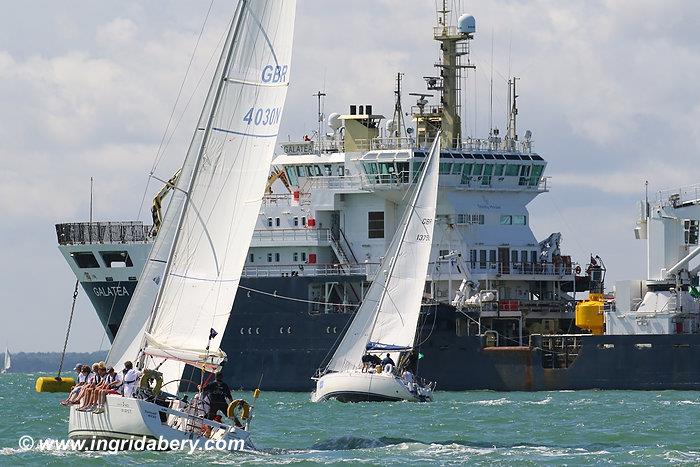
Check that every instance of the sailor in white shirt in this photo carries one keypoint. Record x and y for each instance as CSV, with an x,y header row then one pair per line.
x,y
130,379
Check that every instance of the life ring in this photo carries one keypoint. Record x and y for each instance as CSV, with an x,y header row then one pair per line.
x,y
388,368
238,410
149,375
578,270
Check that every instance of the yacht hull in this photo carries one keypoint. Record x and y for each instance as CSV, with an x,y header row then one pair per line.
x,y
356,386
134,419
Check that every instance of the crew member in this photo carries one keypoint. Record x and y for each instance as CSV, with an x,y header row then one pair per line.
x,y
129,379
388,361
218,395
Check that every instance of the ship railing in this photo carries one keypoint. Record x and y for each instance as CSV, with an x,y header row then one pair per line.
x,y
350,182
286,199
520,268
383,143
102,232
310,270
291,235
678,196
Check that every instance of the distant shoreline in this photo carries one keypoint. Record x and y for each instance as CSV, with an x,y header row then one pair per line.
x,y
47,362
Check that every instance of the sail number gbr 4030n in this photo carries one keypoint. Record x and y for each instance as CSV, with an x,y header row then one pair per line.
x,y
271,115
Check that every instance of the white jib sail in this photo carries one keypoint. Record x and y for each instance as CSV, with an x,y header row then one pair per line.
x,y
8,360
205,235
389,312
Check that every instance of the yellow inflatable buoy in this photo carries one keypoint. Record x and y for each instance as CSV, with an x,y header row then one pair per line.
x,y
54,384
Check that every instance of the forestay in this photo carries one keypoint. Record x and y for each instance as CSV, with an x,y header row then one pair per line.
x,y
388,315
191,278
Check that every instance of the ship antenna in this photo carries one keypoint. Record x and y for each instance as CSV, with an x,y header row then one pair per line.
x,y
491,90
398,112
320,95
91,183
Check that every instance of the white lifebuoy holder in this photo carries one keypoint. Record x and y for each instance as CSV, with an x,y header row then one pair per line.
x,y
388,368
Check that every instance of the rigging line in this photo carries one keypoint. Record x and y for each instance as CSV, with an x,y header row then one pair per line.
x,y
182,86
163,143
294,299
109,317
432,327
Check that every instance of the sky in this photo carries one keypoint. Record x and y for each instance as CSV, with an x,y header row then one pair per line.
x,y
608,89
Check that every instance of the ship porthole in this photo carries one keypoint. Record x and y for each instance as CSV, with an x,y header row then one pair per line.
x,y
257,331
241,331
289,330
281,329
250,331
328,330
335,330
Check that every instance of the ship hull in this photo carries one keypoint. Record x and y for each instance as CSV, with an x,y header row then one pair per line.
x,y
279,343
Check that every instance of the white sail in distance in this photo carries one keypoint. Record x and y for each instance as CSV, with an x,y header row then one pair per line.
x,y
8,360
389,313
193,275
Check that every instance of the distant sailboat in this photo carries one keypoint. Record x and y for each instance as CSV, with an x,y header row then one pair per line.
x,y
388,316
8,361
188,285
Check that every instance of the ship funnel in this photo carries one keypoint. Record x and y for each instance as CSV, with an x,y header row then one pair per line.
x,y
466,24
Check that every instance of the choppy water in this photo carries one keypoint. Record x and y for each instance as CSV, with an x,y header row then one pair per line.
x,y
575,428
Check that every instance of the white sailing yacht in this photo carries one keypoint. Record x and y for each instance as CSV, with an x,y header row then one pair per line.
x,y
8,361
186,290
386,320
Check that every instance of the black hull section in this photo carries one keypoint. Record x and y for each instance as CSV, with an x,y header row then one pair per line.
x,y
284,342
360,397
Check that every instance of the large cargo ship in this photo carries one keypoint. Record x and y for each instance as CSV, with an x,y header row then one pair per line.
x,y
500,306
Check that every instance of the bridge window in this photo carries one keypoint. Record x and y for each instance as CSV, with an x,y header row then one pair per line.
x,y
301,170
403,168
295,256
506,220
269,221
476,169
519,220
512,170
303,256
277,257
85,260
536,174
498,172
375,223
445,168
482,259
251,257
341,170
277,221
457,168
690,231
292,176
116,259
303,221
269,257
296,222
488,171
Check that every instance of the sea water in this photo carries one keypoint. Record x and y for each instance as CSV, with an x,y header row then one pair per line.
x,y
566,427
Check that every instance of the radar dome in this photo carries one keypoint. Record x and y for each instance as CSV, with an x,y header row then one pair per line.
x,y
334,121
466,24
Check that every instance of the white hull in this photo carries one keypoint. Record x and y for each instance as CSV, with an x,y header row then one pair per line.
x,y
127,418
356,386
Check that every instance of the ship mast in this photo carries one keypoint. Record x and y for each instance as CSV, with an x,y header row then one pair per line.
x,y
399,123
454,43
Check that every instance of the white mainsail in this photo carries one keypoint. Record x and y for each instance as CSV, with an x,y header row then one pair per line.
x,y
190,281
388,315
8,361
